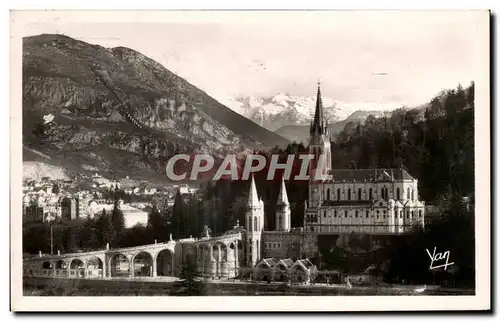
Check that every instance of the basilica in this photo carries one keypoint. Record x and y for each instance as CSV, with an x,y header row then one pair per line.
x,y
369,201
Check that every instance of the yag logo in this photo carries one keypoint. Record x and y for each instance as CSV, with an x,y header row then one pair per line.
x,y
439,257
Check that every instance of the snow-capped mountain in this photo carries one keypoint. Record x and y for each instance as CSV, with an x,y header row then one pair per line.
x,y
286,110
282,109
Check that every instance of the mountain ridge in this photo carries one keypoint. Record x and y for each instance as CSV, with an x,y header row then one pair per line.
x,y
283,110
118,98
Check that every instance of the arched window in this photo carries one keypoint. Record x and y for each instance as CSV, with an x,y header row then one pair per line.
x,y
408,194
255,223
412,195
359,194
412,216
356,214
367,213
327,194
338,194
420,213
349,194
335,213
382,193
345,214
398,194
371,195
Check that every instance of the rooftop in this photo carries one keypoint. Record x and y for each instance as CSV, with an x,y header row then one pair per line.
x,y
361,175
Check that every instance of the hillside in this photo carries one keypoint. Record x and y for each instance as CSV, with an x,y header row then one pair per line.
x,y
120,112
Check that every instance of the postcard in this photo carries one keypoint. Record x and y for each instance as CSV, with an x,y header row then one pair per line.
x,y
163,159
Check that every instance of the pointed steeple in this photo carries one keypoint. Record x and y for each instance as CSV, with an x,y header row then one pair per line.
x,y
283,197
318,114
318,122
253,197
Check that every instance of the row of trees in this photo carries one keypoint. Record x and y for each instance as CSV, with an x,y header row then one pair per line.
x,y
74,235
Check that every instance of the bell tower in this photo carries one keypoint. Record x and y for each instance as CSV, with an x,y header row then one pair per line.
x,y
254,224
319,142
283,210
319,147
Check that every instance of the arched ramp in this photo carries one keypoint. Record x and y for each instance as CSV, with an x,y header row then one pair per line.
x,y
165,263
142,264
119,266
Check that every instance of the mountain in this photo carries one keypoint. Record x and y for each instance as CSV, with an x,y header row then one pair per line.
x,y
88,108
281,109
301,133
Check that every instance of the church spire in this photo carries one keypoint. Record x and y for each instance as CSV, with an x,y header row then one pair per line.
x,y
253,198
283,197
318,114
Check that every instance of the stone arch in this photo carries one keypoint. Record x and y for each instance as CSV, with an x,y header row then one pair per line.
x,y
119,265
165,263
61,264
142,264
76,264
94,263
241,253
224,252
280,278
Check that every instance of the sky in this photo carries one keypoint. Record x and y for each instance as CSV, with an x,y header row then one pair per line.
x,y
386,58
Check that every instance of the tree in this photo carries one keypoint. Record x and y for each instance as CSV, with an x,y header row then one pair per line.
x,y
117,219
55,189
105,229
156,224
190,283
179,212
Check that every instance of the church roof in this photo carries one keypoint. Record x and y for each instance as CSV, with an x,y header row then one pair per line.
x,y
271,262
287,262
361,175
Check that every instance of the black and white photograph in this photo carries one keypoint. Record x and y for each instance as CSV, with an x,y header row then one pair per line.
x,y
254,155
